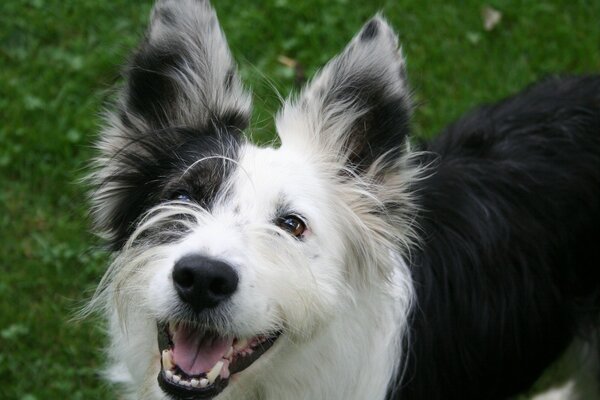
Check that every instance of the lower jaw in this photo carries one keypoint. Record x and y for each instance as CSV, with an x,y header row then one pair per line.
x,y
184,393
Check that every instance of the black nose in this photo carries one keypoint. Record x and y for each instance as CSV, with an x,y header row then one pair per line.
x,y
204,282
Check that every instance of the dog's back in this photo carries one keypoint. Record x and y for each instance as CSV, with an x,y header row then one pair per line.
x,y
508,269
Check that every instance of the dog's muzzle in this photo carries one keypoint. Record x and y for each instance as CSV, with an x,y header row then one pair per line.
x,y
196,362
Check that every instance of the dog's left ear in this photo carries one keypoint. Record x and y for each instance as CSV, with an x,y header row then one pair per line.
x,y
358,106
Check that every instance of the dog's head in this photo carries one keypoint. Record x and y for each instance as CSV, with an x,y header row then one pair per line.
x,y
228,254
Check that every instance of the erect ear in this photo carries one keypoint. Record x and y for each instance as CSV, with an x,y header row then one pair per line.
x,y
357,108
183,73
182,101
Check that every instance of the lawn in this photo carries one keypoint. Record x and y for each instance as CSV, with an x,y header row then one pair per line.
x,y
60,59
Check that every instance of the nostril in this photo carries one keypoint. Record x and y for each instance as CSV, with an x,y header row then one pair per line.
x,y
203,282
183,277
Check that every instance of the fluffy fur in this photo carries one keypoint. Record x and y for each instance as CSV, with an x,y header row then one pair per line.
x,y
458,268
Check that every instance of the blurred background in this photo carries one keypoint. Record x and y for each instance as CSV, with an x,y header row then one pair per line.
x,y
59,64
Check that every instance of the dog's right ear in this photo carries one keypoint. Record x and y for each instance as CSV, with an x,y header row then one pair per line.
x,y
182,100
183,73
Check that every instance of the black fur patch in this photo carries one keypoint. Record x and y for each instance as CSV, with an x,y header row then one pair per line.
x,y
234,120
151,92
384,125
509,260
151,169
370,30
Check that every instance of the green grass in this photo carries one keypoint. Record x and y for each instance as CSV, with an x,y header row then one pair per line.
x,y
60,59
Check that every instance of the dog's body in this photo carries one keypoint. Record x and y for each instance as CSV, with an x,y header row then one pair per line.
x,y
508,261
361,267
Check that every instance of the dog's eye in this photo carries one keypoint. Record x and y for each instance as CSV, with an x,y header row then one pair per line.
x,y
181,195
292,224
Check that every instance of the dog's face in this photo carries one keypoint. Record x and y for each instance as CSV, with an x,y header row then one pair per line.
x,y
227,255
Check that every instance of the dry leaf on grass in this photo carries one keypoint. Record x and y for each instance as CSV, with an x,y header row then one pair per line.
x,y
491,17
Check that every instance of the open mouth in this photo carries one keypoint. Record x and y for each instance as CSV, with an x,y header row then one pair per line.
x,y
197,364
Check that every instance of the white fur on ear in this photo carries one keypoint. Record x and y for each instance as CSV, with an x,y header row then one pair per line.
x,y
358,106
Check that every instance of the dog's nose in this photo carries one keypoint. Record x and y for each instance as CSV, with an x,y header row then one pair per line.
x,y
204,282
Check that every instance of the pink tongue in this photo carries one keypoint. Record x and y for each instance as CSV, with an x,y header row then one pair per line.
x,y
196,353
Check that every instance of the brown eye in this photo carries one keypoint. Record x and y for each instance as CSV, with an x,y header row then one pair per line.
x,y
292,224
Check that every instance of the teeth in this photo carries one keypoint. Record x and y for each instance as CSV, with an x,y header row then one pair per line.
x,y
229,352
211,376
167,360
241,344
225,370
214,372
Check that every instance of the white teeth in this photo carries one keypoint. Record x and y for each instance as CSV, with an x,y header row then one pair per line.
x,y
229,352
195,382
241,344
225,370
169,374
166,360
176,378
204,382
214,372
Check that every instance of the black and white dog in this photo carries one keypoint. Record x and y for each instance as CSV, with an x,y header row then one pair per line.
x,y
349,262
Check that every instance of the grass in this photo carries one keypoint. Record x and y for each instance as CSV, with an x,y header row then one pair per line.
x,y
59,60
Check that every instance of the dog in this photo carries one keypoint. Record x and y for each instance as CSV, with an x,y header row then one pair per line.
x,y
350,261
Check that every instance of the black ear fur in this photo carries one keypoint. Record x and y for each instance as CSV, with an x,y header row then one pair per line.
x,y
360,100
